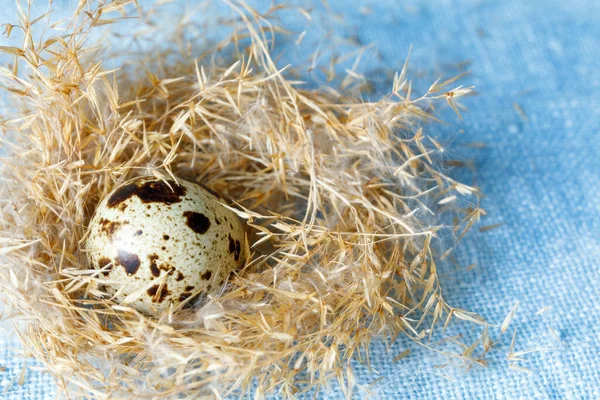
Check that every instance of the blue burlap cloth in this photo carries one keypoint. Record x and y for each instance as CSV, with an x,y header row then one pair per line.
x,y
536,67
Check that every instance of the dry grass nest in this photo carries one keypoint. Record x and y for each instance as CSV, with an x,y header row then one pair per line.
x,y
346,201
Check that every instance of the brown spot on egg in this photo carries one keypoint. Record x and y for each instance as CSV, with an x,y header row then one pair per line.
x,y
148,192
167,267
139,232
231,245
166,237
153,267
235,248
179,277
206,276
189,288
129,261
122,194
183,296
197,222
109,227
103,222
122,207
158,294
105,265
218,221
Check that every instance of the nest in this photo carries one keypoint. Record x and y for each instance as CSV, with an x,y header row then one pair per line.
x,y
346,201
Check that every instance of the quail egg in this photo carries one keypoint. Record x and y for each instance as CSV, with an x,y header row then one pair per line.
x,y
158,243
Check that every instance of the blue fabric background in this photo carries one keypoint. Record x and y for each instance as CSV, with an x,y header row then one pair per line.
x,y
540,171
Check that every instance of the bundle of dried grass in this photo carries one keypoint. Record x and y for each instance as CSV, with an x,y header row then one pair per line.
x,y
345,199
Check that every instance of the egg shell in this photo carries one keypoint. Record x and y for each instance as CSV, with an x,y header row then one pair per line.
x,y
160,243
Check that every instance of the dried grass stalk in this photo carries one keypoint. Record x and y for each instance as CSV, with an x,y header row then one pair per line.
x,y
345,199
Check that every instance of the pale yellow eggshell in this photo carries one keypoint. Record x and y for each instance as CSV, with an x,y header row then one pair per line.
x,y
160,243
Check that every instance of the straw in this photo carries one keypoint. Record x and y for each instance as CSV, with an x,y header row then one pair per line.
x,y
346,201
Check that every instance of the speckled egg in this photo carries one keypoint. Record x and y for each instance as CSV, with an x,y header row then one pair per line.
x,y
159,243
